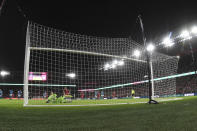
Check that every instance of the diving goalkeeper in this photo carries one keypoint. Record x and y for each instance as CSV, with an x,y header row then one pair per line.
x,y
52,98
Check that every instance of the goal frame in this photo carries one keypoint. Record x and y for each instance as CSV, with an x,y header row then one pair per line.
x,y
28,50
26,66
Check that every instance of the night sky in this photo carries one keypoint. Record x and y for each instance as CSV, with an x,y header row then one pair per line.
x,y
102,18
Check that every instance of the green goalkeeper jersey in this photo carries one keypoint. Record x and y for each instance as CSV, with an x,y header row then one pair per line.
x,y
52,97
61,99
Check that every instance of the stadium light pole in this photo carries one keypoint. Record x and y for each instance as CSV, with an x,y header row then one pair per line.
x,y
151,101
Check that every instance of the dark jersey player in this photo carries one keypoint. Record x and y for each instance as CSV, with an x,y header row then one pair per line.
x,y
66,91
19,94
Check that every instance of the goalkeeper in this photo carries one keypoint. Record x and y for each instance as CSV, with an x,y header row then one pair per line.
x,y
52,98
61,99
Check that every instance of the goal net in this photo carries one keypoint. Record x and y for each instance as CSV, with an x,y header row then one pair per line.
x,y
63,68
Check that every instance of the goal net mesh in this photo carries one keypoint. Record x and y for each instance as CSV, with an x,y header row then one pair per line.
x,y
90,69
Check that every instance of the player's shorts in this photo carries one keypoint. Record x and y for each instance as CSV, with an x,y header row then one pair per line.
x,y
10,95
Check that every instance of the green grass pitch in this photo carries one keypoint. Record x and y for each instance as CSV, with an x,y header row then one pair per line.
x,y
100,101
90,102
180,115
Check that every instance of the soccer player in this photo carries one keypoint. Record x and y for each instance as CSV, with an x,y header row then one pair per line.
x,y
11,93
52,98
66,91
1,93
113,94
82,94
45,94
102,94
98,95
95,94
132,93
61,99
19,94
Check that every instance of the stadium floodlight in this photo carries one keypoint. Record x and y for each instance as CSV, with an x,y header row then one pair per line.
x,y
71,75
121,62
106,66
4,73
136,53
150,47
115,62
146,76
168,42
185,34
194,30
113,66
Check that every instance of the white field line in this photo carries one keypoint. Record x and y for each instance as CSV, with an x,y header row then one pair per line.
x,y
170,99
99,104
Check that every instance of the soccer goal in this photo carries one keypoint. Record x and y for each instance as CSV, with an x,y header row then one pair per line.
x,y
63,68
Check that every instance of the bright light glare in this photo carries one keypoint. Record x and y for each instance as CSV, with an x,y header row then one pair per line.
x,y
71,75
150,47
115,62
107,66
194,30
113,66
136,53
4,73
168,42
120,63
185,34
145,76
